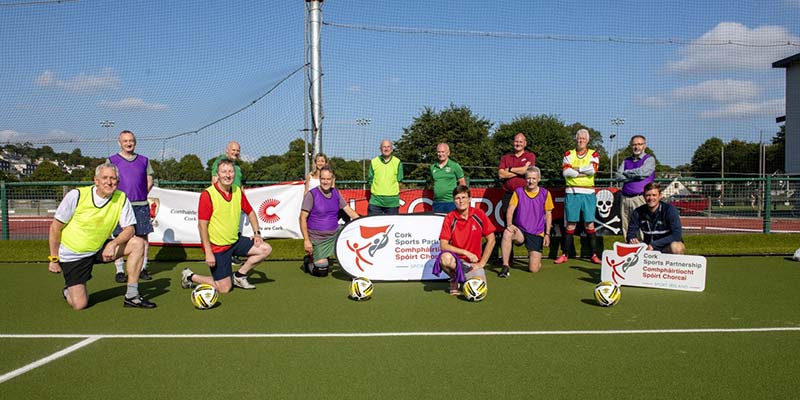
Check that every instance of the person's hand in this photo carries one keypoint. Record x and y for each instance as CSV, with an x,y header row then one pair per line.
x,y
110,251
512,229
546,241
309,248
470,256
54,267
634,241
211,261
649,247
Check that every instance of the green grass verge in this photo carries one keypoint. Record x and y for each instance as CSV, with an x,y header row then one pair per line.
x,y
292,249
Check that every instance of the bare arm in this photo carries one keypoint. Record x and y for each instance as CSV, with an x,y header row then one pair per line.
x,y
202,226
350,212
307,246
487,251
54,240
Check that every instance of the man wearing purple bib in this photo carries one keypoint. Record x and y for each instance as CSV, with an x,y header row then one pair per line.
x,y
135,180
532,223
319,222
636,172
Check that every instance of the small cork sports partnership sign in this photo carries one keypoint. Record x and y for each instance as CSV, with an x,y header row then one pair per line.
x,y
633,265
391,247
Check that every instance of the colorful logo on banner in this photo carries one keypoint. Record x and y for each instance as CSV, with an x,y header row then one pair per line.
x,y
153,203
391,247
266,211
374,238
634,265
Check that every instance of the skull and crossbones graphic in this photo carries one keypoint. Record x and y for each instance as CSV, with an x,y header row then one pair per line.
x,y
605,202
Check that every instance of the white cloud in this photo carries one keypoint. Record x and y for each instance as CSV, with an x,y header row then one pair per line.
x,y
653,101
132,103
80,83
53,135
723,91
700,56
769,108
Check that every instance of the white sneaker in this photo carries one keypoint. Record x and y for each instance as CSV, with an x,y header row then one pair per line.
x,y
186,283
242,283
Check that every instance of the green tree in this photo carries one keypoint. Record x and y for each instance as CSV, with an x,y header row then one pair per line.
x,y
707,158
466,133
47,171
548,137
190,168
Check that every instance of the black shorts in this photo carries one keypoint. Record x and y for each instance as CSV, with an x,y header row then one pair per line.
x,y
533,242
223,268
79,272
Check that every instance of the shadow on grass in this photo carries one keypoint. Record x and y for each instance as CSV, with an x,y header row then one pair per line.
x,y
593,273
149,290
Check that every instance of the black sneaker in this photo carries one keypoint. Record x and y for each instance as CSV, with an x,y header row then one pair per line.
x,y
236,260
120,277
138,302
145,276
505,272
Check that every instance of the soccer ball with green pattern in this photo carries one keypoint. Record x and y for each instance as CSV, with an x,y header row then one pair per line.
x,y
204,296
607,294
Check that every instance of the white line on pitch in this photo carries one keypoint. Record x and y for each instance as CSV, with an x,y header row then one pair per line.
x,y
399,334
54,356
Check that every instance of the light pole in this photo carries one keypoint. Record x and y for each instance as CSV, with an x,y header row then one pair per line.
x,y
363,122
617,122
108,124
611,158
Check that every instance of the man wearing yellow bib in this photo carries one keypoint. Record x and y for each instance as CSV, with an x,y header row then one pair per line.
x,y
218,213
80,236
579,167
385,175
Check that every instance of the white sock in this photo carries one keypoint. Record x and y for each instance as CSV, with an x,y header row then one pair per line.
x,y
120,265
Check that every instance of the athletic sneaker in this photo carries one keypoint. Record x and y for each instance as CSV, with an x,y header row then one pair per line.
x,y
120,277
145,276
236,260
561,259
65,292
242,283
595,259
138,302
505,272
186,283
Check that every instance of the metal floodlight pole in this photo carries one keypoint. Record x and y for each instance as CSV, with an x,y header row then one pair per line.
x,y
617,122
108,124
363,122
315,25
611,159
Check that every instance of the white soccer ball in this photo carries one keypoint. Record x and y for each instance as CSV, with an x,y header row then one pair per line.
x,y
607,294
204,296
796,256
474,289
360,289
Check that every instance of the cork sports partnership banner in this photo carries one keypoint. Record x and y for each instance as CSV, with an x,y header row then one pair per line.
x,y
174,212
633,265
391,247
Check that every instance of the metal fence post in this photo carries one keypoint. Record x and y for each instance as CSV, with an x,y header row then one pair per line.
x,y
4,210
768,204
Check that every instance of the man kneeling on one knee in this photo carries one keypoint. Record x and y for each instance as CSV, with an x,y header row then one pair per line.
x,y
658,221
319,222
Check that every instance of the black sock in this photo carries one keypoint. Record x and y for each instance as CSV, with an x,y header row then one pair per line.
x,y
567,248
238,275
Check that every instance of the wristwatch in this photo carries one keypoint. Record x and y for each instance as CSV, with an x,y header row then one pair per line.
x,y
257,233
509,169
53,259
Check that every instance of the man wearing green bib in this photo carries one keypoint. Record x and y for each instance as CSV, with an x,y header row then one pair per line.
x,y
80,236
385,175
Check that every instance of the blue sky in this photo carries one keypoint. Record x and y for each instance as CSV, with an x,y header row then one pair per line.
x,y
161,68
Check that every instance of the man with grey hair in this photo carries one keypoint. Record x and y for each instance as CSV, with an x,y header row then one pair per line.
x,y
80,236
446,175
635,172
579,167
385,175
531,225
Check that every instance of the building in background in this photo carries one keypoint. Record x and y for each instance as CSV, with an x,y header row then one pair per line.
x,y
792,117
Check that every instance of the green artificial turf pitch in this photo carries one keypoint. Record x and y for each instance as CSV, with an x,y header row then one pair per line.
x,y
535,336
